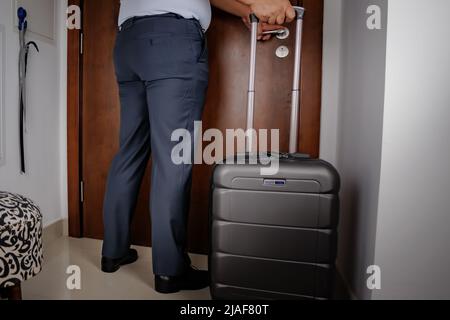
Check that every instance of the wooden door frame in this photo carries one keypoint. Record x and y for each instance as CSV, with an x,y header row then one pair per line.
x,y
309,139
74,85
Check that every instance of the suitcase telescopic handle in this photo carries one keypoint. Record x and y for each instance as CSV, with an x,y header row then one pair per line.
x,y
295,107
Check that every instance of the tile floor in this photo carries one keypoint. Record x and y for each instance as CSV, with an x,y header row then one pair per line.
x,y
133,282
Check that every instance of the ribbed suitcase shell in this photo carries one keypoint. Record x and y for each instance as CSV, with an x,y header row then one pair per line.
x,y
274,237
274,241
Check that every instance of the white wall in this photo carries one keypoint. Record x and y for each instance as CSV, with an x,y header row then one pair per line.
x,y
2,92
331,82
352,127
45,154
392,144
413,234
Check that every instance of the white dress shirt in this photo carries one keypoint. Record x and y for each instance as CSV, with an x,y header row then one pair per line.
x,y
197,9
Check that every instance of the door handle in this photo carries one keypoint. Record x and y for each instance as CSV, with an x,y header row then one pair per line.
x,y
280,33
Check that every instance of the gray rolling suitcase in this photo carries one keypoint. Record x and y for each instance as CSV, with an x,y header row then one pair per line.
x,y
274,237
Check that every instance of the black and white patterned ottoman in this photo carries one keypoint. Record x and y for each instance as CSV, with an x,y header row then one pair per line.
x,y
21,254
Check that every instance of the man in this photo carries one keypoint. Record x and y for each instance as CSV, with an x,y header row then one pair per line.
x,y
161,62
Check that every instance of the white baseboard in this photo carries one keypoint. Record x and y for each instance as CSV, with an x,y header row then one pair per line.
x,y
53,232
65,227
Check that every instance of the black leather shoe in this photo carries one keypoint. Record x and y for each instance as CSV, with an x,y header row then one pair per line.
x,y
191,280
112,265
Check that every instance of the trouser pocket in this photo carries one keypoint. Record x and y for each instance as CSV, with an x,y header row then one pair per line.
x,y
203,57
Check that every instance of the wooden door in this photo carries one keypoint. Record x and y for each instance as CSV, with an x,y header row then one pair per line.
x,y
225,108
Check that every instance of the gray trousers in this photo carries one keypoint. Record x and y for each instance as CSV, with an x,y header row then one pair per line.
x,y
162,69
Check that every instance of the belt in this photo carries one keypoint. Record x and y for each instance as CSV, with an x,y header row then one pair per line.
x,y
131,21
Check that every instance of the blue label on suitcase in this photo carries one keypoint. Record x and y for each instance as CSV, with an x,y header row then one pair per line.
x,y
274,182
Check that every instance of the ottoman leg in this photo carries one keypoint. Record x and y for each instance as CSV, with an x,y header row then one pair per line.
x,y
13,293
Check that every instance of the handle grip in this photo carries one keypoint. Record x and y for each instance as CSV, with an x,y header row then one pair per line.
x,y
299,13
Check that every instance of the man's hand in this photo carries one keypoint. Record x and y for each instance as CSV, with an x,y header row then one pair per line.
x,y
262,27
272,11
238,8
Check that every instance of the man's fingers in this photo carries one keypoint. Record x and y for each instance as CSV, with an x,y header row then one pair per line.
x,y
268,27
266,37
272,20
274,13
260,31
263,18
290,14
280,19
